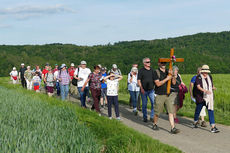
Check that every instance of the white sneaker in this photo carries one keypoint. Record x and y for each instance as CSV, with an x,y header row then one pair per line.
x,y
118,118
110,118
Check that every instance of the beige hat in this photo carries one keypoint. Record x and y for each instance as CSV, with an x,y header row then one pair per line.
x,y
72,64
205,68
14,68
114,66
83,63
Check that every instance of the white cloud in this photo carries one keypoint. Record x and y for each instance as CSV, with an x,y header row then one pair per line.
x,y
28,11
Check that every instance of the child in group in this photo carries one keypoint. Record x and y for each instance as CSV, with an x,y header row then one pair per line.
x,y
36,82
112,93
49,80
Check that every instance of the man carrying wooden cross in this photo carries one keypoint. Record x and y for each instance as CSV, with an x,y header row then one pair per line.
x,y
161,77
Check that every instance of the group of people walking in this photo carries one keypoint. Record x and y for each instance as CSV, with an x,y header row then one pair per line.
x,y
145,83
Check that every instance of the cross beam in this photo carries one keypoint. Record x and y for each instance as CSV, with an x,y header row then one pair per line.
x,y
170,60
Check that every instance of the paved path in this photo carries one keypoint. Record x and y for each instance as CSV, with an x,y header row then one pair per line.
x,y
189,140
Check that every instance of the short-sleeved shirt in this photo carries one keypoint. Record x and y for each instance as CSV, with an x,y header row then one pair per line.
x,y
71,72
82,73
14,73
175,87
161,90
95,80
49,79
44,71
146,78
199,94
22,71
112,87
193,80
103,84
28,75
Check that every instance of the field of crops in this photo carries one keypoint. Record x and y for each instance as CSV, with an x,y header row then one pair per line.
x,y
30,125
32,122
222,96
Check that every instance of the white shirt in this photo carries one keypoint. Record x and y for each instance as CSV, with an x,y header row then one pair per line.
x,y
112,87
83,73
133,86
56,75
36,79
14,73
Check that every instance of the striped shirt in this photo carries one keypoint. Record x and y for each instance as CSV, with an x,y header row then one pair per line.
x,y
64,77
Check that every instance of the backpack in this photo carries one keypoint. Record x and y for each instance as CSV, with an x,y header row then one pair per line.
x,y
74,81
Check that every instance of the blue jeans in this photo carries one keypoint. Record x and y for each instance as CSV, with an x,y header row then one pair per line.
x,y
83,95
197,113
134,98
144,97
64,91
58,88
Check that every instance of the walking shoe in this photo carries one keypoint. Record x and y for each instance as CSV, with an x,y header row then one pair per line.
x,y
145,120
176,120
110,118
214,130
151,119
195,125
203,124
135,113
102,106
175,130
99,114
155,127
118,118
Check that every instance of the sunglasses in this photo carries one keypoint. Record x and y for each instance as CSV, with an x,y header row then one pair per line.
x,y
147,62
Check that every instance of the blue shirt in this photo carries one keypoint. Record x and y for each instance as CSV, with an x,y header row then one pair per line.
x,y
193,80
104,85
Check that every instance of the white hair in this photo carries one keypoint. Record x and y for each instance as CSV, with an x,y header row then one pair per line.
x,y
144,59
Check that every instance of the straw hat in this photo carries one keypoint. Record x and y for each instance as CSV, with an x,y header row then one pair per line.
x,y
205,68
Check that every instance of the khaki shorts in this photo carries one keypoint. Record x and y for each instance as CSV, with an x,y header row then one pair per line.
x,y
175,98
160,100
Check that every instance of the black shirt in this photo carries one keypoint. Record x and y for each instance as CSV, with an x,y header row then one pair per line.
x,y
161,90
146,78
22,71
175,87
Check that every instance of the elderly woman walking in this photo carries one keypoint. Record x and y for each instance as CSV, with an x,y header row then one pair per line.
x,y
133,88
64,80
95,79
28,77
204,97
14,75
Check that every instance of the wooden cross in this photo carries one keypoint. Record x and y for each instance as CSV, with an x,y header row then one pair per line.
x,y
170,60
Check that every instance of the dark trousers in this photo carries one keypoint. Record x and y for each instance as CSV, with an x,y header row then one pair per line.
x,y
96,94
58,88
199,106
138,102
23,82
113,100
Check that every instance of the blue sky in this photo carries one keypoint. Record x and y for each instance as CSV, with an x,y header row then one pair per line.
x,y
89,22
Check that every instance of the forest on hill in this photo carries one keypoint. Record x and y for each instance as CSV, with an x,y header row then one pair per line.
x,y
202,48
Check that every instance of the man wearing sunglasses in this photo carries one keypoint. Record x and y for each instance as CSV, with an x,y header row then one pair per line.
x,y
162,99
146,83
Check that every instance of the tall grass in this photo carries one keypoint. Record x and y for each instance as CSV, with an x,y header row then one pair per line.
x,y
221,97
31,125
36,128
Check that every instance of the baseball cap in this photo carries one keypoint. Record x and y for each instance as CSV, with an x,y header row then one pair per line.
x,y
83,62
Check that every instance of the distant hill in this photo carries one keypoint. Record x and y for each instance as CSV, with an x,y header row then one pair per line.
x,y
202,48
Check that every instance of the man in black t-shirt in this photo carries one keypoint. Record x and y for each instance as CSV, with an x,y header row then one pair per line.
x,y
21,75
145,81
161,78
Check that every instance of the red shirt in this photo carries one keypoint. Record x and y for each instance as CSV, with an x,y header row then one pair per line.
x,y
71,72
44,71
54,70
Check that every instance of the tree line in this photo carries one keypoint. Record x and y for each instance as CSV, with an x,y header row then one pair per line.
x,y
202,48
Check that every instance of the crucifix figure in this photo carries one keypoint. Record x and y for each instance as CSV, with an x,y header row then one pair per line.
x,y
170,60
